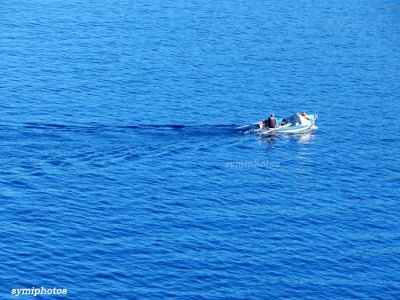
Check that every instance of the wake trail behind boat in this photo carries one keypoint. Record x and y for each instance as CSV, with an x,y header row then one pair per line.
x,y
204,129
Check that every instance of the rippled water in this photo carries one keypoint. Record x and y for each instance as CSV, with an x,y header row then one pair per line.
x,y
123,173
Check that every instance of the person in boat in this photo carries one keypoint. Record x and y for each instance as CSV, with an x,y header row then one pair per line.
x,y
271,121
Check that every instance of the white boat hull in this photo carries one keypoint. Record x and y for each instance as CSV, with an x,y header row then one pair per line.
x,y
291,129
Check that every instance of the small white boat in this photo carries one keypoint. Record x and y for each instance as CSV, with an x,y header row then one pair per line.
x,y
297,123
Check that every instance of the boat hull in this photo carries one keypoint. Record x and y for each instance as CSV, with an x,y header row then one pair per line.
x,y
292,129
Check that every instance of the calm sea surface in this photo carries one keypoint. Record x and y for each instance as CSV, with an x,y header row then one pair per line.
x,y
123,174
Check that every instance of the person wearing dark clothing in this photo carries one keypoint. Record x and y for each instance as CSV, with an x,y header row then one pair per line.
x,y
271,121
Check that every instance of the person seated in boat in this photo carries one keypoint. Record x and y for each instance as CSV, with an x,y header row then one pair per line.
x,y
271,121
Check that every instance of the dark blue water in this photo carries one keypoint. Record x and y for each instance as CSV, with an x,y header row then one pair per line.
x,y
123,175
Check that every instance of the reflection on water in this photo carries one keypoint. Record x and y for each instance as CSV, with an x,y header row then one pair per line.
x,y
305,138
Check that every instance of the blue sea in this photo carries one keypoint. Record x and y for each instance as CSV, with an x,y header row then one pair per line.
x,y
124,174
